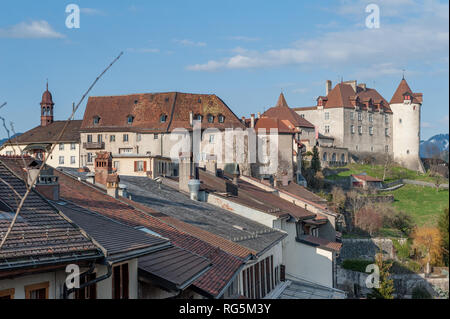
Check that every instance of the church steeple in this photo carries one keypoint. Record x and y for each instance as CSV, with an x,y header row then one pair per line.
x,y
47,107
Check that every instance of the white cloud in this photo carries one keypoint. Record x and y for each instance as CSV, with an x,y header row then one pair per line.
x,y
244,38
30,30
190,43
420,37
143,50
92,11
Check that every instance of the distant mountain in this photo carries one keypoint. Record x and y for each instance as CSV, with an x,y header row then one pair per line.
x,y
5,139
437,144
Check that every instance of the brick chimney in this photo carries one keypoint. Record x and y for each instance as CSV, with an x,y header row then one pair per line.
x,y
103,167
112,185
47,184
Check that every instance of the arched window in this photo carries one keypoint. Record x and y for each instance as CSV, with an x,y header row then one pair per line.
x,y
130,119
163,118
221,118
343,158
210,118
333,157
324,157
96,120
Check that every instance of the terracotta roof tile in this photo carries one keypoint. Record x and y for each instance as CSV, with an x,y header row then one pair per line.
x,y
284,112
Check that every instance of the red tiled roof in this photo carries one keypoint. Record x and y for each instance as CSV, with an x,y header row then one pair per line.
x,y
268,123
212,281
147,109
283,112
403,88
321,242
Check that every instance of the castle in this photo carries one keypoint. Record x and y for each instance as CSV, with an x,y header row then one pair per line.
x,y
361,120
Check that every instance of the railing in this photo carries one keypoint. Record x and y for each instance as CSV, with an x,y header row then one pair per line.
x,y
94,145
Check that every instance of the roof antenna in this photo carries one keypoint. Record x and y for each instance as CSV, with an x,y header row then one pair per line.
x,y
403,76
47,84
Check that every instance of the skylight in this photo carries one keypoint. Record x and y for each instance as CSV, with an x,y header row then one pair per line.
x,y
148,231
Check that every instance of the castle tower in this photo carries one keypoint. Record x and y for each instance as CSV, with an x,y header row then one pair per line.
x,y
47,108
405,106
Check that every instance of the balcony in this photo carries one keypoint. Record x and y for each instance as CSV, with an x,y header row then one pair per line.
x,y
94,145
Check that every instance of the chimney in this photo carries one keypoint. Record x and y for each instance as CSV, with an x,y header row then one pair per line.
x,y
194,187
211,164
285,180
252,120
103,167
184,170
191,118
112,185
328,87
258,115
236,176
362,86
47,184
352,83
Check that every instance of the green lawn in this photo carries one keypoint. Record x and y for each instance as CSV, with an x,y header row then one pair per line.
x,y
424,204
377,171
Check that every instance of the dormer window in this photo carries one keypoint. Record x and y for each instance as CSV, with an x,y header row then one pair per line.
x,y
163,118
221,118
210,118
130,119
198,117
96,120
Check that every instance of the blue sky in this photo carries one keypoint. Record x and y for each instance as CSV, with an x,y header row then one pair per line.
x,y
246,52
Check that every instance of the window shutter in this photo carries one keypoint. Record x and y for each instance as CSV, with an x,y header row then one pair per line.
x,y
135,166
145,166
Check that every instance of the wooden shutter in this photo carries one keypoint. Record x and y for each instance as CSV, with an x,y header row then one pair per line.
x,y
145,166
135,166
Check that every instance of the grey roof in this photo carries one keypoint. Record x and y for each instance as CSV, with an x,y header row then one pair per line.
x,y
118,239
215,220
307,290
175,265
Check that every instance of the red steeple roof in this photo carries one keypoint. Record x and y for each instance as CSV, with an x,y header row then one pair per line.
x,y
402,88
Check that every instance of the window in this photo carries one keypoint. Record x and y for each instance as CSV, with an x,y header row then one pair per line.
x,y
89,157
61,160
386,119
327,115
386,148
371,148
112,138
155,136
198,117
125,150
163,118
327,129
324,157
72,159
7,294
9,153
210,118
125,137
352,128
407,152
386,132
130,119
211,139
315,232
37,291
371,130
120,282
140,166
370,117
138,137
116,165
357,147
99,138
221,118
359,116
73,146
89,138
89,292
96,120
400,121
343,158
61,147
302,116
360,131
352,115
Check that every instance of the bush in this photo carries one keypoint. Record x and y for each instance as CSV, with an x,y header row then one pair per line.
x,y
369,219
402,250
356,264
421,293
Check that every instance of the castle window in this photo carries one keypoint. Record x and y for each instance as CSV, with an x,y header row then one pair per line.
x,y
343,158
386,148
359,116
210,118
357,147
73,146
352,115
386,132
61,147
333,157
327,115
125,137
352,128
370,117
96,120
407,152
221,118
386,119
324,157
72,160
211,139
155,136
400,121
163,118
360,131
130,119
112,138
327,129
61,160
371,130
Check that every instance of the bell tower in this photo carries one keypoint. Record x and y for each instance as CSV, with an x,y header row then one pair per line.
x,y
47,108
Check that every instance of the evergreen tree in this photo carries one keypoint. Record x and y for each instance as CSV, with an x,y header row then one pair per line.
x,y
315,162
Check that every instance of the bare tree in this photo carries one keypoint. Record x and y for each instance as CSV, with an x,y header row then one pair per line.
x,y
356,201
387,166
24,197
